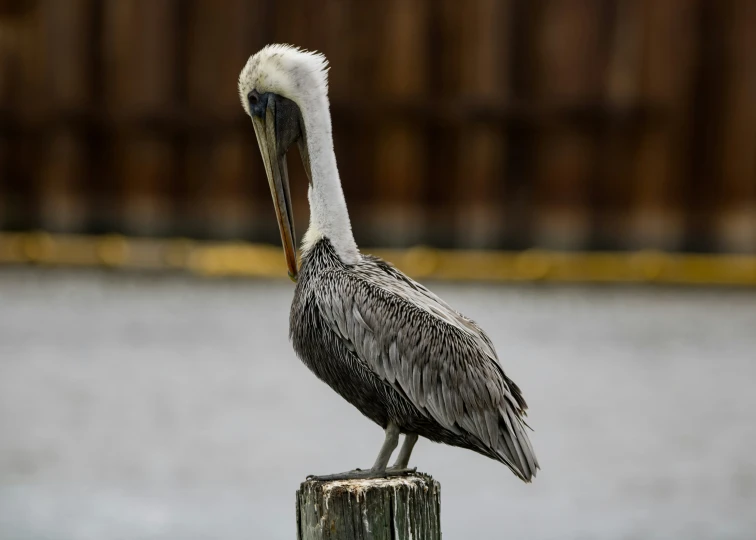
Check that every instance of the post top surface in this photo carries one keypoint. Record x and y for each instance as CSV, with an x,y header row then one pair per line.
x,y
413,480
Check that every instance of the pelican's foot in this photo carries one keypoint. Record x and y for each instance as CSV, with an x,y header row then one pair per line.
x,y
359,474
400,471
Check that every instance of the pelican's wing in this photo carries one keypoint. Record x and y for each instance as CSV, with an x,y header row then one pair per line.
x,y
443,362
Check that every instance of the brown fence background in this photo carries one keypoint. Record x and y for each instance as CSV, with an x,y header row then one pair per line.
x,y
568,124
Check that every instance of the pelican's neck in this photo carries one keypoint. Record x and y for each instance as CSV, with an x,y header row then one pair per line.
x,y
329,217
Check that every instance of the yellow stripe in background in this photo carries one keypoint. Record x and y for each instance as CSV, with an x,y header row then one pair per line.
x,y
254,260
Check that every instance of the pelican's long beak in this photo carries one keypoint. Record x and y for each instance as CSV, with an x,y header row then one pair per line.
x,y
274,142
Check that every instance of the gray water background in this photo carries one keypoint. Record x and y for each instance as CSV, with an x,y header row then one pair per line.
x,y
168,407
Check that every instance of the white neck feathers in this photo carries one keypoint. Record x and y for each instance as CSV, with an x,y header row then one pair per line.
x,y
329,217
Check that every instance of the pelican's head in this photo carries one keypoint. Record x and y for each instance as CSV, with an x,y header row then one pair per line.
x,y
276,86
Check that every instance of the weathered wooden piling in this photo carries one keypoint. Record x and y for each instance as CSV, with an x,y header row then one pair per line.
x,y
397,508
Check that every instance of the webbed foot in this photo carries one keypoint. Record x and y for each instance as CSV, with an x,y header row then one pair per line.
x,y
400,471
359,474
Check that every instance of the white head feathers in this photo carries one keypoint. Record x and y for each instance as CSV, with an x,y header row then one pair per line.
x,y
302,77
291,72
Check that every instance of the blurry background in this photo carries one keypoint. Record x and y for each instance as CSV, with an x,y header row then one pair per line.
x,y
162,405
577,124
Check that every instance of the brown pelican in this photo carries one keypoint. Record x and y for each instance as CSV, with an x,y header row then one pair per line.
x,y
386,344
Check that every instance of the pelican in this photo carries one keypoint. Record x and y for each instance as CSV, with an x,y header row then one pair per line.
x,y
386,344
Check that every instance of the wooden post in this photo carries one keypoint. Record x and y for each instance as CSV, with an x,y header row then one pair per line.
x,y
396,508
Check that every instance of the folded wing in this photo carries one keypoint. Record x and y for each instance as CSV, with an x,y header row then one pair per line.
x,y
442,361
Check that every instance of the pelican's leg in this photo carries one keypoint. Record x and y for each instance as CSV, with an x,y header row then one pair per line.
x,y
402,459
379,469
387,448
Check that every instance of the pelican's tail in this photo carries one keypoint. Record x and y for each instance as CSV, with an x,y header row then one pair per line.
x,y
514,448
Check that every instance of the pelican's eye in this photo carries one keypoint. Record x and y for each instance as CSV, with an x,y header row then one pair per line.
x,y
257,103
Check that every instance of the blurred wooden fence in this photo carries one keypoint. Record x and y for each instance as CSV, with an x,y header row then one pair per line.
x,y
568,124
